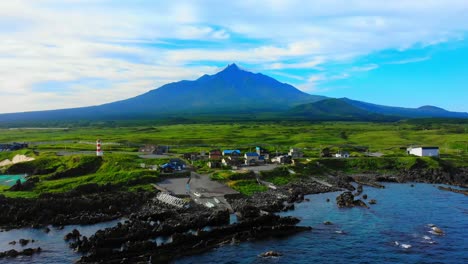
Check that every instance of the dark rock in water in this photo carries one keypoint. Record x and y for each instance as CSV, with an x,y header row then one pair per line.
x,y
24,242
12,242
372,201
46,230
288,207
327,223
346,199
26,252
328,200
450,189
74,234
364,196
359,190
412,185
271,254
249,211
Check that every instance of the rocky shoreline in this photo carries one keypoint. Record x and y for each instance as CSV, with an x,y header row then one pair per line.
x,y
69,208
131,240
192,230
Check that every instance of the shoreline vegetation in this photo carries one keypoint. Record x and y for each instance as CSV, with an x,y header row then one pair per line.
x,y
68,185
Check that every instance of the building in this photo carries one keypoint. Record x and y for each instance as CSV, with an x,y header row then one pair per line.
x,y
13,146
231,152
282,159
233,161
173,165
423,151
264,155
251,158
154,149
214,157
215,154
295,153
342,154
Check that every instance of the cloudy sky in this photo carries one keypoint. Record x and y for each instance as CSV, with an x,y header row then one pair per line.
x,y
69,53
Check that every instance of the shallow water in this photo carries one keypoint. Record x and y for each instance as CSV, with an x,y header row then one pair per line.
x,y
395,230
10,180
54,248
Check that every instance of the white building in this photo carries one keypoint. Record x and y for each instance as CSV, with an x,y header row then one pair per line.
x,y
295,153
423,151
342,154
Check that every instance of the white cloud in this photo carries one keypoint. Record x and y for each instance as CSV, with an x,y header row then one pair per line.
x,y
365,68
410,60
134,46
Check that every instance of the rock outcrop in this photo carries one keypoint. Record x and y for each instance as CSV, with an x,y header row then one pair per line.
x,y
346,199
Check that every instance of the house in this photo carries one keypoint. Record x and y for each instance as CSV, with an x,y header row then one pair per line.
x,y
342,154
264,155
282,159
173,165
154,149
191,156
215,154
423,151
251,158
295,153
231,152
168,168
214,164
13,146
232,161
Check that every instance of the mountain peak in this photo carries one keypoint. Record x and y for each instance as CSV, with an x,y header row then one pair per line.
x,y
232,68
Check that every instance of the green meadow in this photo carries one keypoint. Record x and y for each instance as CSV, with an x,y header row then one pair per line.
x,y
121,164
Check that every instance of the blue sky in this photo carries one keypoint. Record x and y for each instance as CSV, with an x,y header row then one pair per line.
x,y
69,53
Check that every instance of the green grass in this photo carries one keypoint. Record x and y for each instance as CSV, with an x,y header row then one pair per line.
x,y
247,187
120,164
118,169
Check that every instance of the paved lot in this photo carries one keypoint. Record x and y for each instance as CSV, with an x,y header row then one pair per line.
x,y
175,185
266,167
201,189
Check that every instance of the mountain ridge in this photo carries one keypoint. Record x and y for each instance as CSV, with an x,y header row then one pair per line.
x,y
229,92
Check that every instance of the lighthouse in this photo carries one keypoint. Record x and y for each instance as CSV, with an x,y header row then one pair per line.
x,y
99,152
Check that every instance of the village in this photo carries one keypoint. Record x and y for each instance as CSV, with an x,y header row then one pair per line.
x,y
192,174
181,177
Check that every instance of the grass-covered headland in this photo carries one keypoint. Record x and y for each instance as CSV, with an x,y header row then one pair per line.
x,y
121,167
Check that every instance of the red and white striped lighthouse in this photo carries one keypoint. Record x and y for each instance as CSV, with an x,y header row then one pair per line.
x,y
98,148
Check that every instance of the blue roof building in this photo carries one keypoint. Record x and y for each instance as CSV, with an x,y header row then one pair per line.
x,y
231,152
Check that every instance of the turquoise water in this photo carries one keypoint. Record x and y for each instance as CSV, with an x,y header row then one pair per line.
x,y
10,180
401,217
377,235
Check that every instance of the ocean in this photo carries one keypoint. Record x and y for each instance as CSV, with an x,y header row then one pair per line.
x,y
395,230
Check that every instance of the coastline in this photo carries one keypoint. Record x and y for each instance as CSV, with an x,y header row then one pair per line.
x,y
149,219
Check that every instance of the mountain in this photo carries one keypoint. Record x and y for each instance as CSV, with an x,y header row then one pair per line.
x,y
232,93
229,91
335,109
421,112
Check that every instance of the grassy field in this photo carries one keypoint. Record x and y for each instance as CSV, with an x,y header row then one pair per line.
x,y
377,137
63,173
